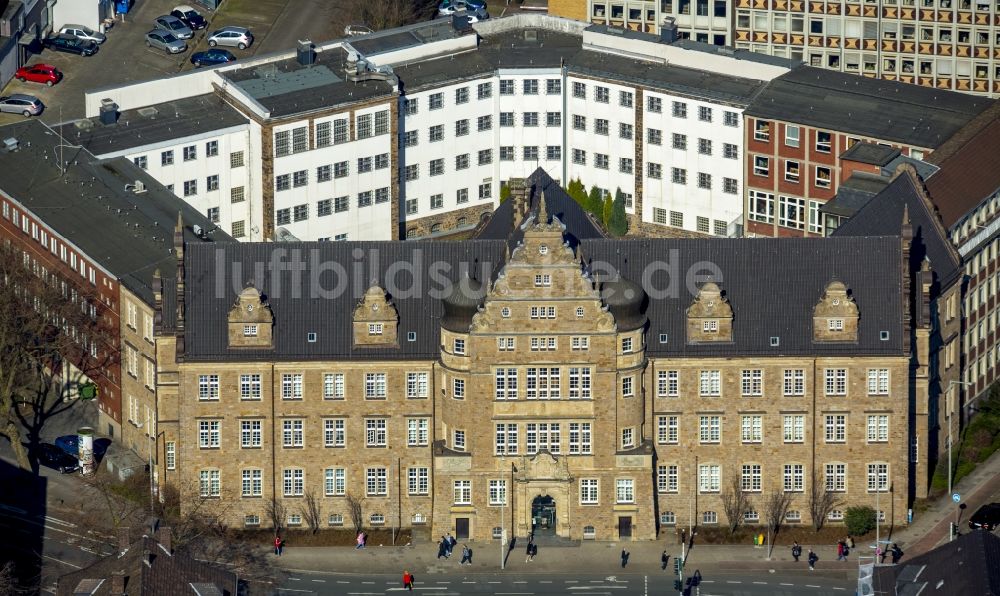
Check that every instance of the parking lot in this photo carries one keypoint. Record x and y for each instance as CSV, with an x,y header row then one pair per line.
x,y
124,57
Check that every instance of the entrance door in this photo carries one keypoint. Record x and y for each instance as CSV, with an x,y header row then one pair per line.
x,y
543,515
625,527
461,528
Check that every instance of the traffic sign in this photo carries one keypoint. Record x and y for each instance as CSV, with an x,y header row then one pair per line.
x,y
956,497
678,565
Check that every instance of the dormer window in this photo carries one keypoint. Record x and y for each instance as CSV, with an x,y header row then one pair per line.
x,y
250,321
710,316
835,316
249,331
374,328
543,281
835,324
710,326
375,320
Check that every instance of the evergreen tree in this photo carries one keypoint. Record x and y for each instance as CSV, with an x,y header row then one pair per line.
x,y
577,192
618,222
595,202
606,209
504,192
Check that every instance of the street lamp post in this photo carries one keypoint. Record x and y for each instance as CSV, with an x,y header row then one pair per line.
x,y
949,418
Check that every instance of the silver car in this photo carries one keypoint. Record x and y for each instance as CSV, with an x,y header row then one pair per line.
x,y
175,26
162,39
19,103
85,33
237,37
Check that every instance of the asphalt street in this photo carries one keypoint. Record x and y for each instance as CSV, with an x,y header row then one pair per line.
x,y
742,584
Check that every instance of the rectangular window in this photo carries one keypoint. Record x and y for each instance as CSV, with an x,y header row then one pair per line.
x,y
335,482
751,429
878,477
836,477
708,478
709,429
209,484
878,381
341,131
250,433
484,90
375,386
293,482
190,153
625,490
506,383
667,429
375,432
484,123
376,484
752,382
458,440
416,432
835,428
291,386
208,434
625,99
170,449
794,428
461,95
730,118
750,478
418,481
878,428
333,386
498,492
823,141
334,434
416,385
836,381
463,492
363,126
791,135
530,86
293,433
625,131
795,382
761,130
579,438
208,387
794,478
589,491
680,109
710,383
579,382
666,479
579,90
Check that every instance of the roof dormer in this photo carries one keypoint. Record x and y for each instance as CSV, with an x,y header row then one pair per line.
x,y
710,317
251,321
835,316
375,320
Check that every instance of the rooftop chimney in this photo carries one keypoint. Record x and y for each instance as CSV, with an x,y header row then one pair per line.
x,y
306,52
109,112
117,583
123,540
668,30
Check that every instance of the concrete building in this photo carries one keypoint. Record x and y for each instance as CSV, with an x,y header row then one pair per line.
x,y
707,21
527,373
102,228
944,44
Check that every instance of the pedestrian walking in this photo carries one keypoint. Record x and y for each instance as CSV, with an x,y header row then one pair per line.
x,y
663,560
529,548
813,557
840,551
278,545
534,550
896,553
451,543
407,581
442,548
360,540
850,542
624,558
466,555
796,551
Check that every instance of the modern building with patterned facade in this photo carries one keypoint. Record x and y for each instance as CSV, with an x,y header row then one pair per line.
x,y
945,44
539,376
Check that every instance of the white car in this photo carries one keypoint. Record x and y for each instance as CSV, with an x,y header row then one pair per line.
x,y
477,15
84,33
239,37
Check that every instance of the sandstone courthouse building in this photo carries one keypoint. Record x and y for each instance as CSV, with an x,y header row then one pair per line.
x,y
625,384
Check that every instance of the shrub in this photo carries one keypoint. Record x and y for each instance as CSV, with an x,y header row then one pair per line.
x,y
504,192
859,520
618,222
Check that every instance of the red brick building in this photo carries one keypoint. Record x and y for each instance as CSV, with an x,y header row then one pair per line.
x,y
802,122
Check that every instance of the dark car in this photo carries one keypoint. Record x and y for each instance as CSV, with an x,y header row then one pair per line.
x,y
70,445
987,518
191,17
71,45
53,457
212,57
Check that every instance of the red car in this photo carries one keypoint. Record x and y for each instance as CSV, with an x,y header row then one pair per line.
x,y
39,73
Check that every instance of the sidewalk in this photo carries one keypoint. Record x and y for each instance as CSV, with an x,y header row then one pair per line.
x,y
931,528
589,558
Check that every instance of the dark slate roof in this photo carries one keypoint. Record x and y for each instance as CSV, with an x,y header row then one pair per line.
x,y
967,176
887,110
883,215
166,574
167,121
968,565
578,223
211,291
854,193
130,235
870,153
772,285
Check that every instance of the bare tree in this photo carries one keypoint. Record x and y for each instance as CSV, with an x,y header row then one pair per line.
x,y
311,511
735,502
776,505
357,517
123,503
277,513
821,501
385,14
8,580
46,328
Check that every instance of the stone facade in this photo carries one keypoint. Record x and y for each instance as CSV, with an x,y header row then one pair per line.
x,y
139,375
542,411
459,219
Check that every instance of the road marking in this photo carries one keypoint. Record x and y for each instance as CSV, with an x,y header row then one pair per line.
x,y
786,584
597,588
319,581
545,581
63,562
760,583
493,582
811,586
368,582
56,520
520,582
572,581
841,589
443,582
293,590
729,581
468,582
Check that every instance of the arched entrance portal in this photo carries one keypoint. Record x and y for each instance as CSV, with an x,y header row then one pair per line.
x,y
543,515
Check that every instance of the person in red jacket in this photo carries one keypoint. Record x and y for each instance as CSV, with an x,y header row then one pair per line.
x,y
407,580
277,545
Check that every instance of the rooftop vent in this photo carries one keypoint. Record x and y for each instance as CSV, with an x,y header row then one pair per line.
x,y
531,35
668,30
148,111
411,336
306,53
775,341
311,337
10,144
109,113
84,124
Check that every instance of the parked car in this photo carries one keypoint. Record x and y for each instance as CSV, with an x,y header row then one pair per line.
x,y
212,57
84,33
70,445
19,103
53,457
175,26
191,17
71,45
986,518
239,37
357,29
449,7
474,16
162,39
39,73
